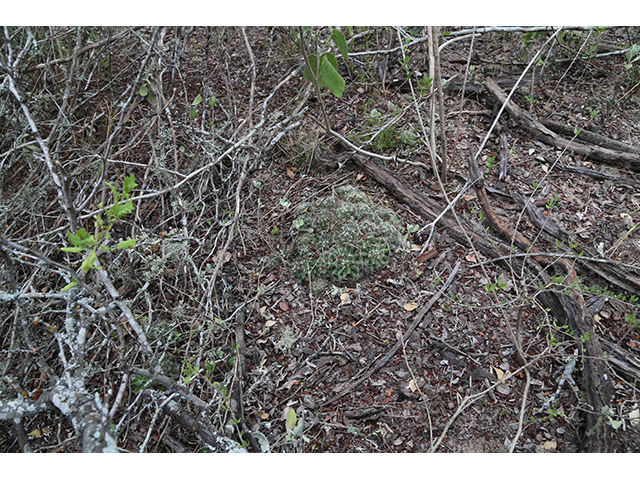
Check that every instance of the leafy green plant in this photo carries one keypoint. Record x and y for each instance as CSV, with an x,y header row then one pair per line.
x,y
148,91
499,285
189,372
425,86
387,136
633,56
490,162
631,320
294,427
323,68
608,414
83,241
193,114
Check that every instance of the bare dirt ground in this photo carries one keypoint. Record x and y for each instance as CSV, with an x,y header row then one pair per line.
x,y
303,346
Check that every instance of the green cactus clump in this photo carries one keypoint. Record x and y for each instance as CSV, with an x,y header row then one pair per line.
x,y
344,236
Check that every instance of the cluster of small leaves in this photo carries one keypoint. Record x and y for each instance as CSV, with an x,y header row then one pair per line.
x,y
84,241
344,236
633,56
389,138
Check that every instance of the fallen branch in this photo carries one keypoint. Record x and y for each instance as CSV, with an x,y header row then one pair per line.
x,y
567,309
597,386
538,131
200,426
617,179
587,136
609,270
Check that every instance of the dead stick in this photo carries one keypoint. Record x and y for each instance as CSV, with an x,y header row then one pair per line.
x,y
398,345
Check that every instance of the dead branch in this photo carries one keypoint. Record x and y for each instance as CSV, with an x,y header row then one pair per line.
x,y
539,132
590,137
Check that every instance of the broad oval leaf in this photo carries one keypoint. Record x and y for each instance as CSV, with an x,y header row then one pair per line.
x,y
332,58
330,76
410,306
143,91
338,37
262,440
197,100
291,419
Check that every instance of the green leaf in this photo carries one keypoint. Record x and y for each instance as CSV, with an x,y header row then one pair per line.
x,y
72,249
338,37
81,238
615,423
332,59
129,183
197,100
119,210
143,91
87,264
313,61
193,114
330,76
72,284
291,419
126,243
115,193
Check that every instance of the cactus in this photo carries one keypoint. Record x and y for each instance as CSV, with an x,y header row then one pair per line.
x,y
343,237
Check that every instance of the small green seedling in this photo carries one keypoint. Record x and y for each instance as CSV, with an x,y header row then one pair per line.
x,y
83,241
294,427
